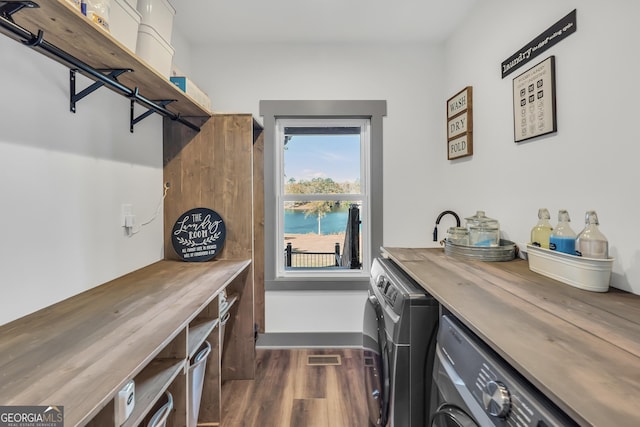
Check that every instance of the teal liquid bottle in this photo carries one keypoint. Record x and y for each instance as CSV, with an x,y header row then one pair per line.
x,y
563,238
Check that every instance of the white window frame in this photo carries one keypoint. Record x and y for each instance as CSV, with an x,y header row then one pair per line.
x,y
364,196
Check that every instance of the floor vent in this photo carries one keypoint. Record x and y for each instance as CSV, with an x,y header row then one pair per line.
x,y
324,360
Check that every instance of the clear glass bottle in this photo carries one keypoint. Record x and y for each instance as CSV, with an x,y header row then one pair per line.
x,y
563,238
591,243
541,232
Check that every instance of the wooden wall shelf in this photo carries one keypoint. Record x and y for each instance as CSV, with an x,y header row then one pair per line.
x,y
79,352
69,30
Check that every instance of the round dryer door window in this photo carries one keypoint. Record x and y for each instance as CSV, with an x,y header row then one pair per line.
x,y
451,416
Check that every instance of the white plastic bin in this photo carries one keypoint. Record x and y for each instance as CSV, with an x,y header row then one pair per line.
x,y
196,379
157,14
125,20
155,50
159,419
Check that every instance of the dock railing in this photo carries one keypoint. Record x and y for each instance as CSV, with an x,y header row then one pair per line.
x,y
311,259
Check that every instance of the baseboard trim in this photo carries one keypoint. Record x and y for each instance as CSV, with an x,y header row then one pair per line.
x,y
272,340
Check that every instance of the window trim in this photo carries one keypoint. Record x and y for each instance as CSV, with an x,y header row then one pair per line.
x,y
364,124
374,110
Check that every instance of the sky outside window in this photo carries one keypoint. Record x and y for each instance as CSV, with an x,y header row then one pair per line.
x,y
323,156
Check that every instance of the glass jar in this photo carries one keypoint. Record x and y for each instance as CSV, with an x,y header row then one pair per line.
x,y
484,235
483,231
478,218
458,236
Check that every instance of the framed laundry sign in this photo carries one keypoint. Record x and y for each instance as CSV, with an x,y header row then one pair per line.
x,y
198,235
534,101
460,124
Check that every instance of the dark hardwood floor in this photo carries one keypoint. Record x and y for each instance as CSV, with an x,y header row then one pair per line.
x,y
288,392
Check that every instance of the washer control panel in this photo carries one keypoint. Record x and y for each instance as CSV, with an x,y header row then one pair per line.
x,y
388,285
503,395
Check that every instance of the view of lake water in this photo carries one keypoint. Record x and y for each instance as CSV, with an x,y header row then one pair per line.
x,y
333,222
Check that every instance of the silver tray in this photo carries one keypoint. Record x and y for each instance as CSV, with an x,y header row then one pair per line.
x,y
505,252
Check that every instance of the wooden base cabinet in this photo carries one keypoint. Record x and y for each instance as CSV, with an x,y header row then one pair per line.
x,y
145,326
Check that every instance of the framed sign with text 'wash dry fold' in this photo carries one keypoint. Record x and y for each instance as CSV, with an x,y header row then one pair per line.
x,y
460,124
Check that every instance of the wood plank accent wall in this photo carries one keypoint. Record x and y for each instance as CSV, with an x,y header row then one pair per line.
x,y
214,169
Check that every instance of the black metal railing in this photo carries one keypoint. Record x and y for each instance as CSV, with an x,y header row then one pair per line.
x,y
311,259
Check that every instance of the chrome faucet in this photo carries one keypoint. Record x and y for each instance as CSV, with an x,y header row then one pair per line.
x,y
435,229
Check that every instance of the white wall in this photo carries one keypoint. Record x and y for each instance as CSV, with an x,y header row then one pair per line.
x,y
301,311
182,55
409,77
64,176
588,164
63,179
591,162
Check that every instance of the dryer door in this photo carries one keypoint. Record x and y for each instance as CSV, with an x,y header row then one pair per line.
x,y
451,416
449,406
376,362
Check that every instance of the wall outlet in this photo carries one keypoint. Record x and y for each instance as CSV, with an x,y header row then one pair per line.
x,y
127,215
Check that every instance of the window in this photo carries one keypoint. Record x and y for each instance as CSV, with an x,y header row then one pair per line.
x,y
369,201
323,198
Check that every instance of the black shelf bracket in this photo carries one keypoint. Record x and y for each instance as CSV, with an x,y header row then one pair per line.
x,y
77,96
37,41
8,8
135,120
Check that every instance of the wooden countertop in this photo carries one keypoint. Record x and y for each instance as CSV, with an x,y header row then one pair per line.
x,y
79,352
580,348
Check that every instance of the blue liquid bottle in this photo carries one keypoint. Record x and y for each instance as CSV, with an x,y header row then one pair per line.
x,y
563,238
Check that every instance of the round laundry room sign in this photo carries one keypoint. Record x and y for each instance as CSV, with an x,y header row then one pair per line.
x,y
198,235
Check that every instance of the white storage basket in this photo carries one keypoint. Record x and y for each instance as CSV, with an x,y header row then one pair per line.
x,y
197,368
585,273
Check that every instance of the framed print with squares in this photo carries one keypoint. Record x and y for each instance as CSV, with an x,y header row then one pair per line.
x,y
534,101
